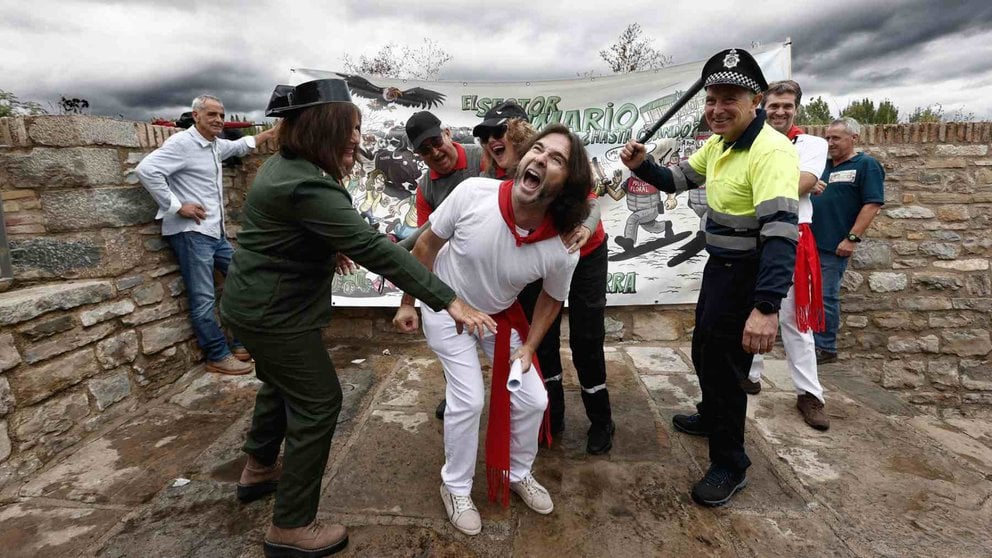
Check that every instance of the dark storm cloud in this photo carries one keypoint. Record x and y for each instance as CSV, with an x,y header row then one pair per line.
x,y
866,33
243,88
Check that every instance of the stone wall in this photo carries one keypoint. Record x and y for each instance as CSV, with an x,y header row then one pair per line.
x,y
917,294
94,322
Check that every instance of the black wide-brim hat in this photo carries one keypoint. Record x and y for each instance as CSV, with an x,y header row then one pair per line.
x,y
734,66
499,115
279,99
313,93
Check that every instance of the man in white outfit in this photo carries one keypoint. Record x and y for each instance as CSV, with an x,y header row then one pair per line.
x,y
781,103
488,240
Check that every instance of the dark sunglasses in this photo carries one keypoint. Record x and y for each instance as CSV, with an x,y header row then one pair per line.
x,y
430,143
495,133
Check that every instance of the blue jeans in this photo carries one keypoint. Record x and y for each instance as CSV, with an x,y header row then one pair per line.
x,y
198,254
832,269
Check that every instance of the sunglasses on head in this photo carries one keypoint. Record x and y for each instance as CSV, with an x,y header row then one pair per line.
x,y
430,143
495,133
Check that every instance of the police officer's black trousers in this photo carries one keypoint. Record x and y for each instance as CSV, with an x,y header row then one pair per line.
x,y
586,335
299,401
725,302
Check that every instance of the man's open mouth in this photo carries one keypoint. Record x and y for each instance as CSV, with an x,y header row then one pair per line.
x,y
532,180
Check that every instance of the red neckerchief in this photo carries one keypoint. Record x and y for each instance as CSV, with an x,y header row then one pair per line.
x,y
793,132
544,231
500,172
460,164
498,428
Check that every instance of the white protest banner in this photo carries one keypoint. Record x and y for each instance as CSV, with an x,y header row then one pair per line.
x,y
662,261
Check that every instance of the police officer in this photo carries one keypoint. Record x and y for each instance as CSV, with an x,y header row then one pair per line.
x,y
751,172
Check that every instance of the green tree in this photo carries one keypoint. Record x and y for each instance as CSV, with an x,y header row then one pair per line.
x,y
633,52
864,111
10,105
813,113
931,113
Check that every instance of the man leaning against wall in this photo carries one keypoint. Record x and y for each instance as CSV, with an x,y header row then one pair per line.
x,y
185,178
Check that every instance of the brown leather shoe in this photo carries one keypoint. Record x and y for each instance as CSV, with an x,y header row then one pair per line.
x,y
812,410
230,366
312,541
257,480
241,354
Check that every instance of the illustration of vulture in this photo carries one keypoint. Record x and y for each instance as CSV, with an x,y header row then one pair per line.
x,y
383,96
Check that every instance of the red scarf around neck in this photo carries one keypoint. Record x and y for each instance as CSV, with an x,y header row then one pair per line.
x,y
544,231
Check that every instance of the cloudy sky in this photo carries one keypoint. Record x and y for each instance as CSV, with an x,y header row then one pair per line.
x,y
145,58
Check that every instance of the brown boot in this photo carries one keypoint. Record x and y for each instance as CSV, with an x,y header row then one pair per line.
x,y
241,354
312,541
257,480
229,365
812,410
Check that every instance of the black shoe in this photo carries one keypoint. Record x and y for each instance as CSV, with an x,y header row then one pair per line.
x,y
439,412
690,424
749,387
600,438
825,357
718,486
626,243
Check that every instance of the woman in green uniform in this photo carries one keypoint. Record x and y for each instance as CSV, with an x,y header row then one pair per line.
x,y
298,221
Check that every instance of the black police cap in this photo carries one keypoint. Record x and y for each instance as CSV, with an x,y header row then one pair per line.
x,y
734,66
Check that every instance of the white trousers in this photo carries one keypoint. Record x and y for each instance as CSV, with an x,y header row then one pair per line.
x,y
800,352
465,397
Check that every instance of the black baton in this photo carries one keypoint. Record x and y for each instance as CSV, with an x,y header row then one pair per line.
x,y
689,94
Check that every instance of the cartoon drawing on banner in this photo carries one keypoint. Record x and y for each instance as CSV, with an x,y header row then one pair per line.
x,y
656,245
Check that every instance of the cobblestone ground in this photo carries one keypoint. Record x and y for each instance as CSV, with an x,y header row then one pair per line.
x,y
885,480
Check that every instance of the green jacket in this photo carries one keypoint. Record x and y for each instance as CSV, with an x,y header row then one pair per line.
x,y
295,221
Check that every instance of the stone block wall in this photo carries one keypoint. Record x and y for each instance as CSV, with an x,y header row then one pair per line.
x,y
917,295
94,321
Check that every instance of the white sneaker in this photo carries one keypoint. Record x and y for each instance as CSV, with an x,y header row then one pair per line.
x,y
462,512
533,494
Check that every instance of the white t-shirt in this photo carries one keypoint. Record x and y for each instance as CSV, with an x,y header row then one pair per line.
x,y
481,260
812,159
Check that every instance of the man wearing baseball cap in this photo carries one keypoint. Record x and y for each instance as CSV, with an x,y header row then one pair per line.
x,y
751,172
448,162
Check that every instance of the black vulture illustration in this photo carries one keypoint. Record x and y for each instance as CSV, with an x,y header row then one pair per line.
x,y
383,96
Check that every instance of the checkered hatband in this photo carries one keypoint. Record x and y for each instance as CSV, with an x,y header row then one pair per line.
x,y
733,78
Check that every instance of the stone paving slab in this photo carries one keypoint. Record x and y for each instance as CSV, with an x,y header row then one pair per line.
x,y
132,462
31,529
905,492
201,518
885,480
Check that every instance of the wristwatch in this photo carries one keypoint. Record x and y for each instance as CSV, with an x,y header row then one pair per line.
x,y
765,307
853,237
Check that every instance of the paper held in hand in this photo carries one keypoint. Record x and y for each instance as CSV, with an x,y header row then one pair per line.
x,y
515,377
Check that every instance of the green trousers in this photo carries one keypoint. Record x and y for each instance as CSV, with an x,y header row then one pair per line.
x,y
299,401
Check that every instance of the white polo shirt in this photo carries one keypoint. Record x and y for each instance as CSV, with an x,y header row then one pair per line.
x,y
812,159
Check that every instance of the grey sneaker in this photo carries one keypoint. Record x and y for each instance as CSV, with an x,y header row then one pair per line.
x,y
533,494
462,512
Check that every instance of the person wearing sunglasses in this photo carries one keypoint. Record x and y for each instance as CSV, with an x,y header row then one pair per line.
x,y
448,162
